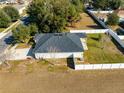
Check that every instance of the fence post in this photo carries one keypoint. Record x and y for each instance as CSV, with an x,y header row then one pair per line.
x,y
119,66
102,66
111,66
93,66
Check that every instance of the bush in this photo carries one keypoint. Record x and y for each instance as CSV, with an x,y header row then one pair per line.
x,y
113,19
11,12
4,19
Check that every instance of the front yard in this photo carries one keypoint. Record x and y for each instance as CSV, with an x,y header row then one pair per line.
x,y
102,50
40,77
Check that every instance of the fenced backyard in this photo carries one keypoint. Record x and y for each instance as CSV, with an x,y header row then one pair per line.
x,y
102,53
110,32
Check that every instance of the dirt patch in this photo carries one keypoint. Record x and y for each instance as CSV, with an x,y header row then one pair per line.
x,y
43,81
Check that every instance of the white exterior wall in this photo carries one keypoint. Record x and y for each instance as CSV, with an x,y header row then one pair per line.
x,y
121,37
58,55
99,66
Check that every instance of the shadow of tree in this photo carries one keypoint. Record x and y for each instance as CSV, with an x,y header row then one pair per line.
x,y
118,45
8,40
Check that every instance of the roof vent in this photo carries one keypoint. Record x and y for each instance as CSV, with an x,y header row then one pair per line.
x,y
58,34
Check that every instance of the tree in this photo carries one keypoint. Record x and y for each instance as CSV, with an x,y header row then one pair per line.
x,y
24,34
11,12
52,15
21,34
122,4
4,19
72,14
113,19
78,5
101,4
115,4
107,4
33,29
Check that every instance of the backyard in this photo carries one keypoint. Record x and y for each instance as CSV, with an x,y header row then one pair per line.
x,y
41,77
86,23
101,49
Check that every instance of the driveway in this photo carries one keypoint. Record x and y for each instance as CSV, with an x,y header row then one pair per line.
x,y
5,42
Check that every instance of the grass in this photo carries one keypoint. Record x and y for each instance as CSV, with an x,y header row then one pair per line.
x,y
104,81
85,23
13,27
30,66
2,29
22,45
114,28
14,65
102,51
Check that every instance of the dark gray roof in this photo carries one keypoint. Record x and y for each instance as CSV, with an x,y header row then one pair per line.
x,y
58,42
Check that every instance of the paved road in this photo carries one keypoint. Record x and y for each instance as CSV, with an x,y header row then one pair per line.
x,y
7,39
5,42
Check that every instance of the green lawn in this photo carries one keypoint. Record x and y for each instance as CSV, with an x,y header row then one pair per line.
x,y
102,50
2,29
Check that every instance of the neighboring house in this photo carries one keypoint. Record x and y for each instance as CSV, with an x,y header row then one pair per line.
x,y
59,45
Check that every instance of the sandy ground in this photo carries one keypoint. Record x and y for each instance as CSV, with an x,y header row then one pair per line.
x,y
43,81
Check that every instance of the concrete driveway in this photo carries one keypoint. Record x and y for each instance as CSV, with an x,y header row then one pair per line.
x,y
5,42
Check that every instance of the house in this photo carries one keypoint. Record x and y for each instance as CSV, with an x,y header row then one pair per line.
x,y
59,45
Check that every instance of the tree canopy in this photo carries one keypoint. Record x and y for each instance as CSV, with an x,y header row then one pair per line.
x,y
107,4
4,19
11,12
113,19
23,34
54,15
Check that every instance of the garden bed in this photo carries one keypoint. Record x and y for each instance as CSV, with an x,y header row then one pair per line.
x,y
102,50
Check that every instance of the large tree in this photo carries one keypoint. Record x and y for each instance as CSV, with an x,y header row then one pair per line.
x,y
115,4
11,12
107,4
53,15
4,19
